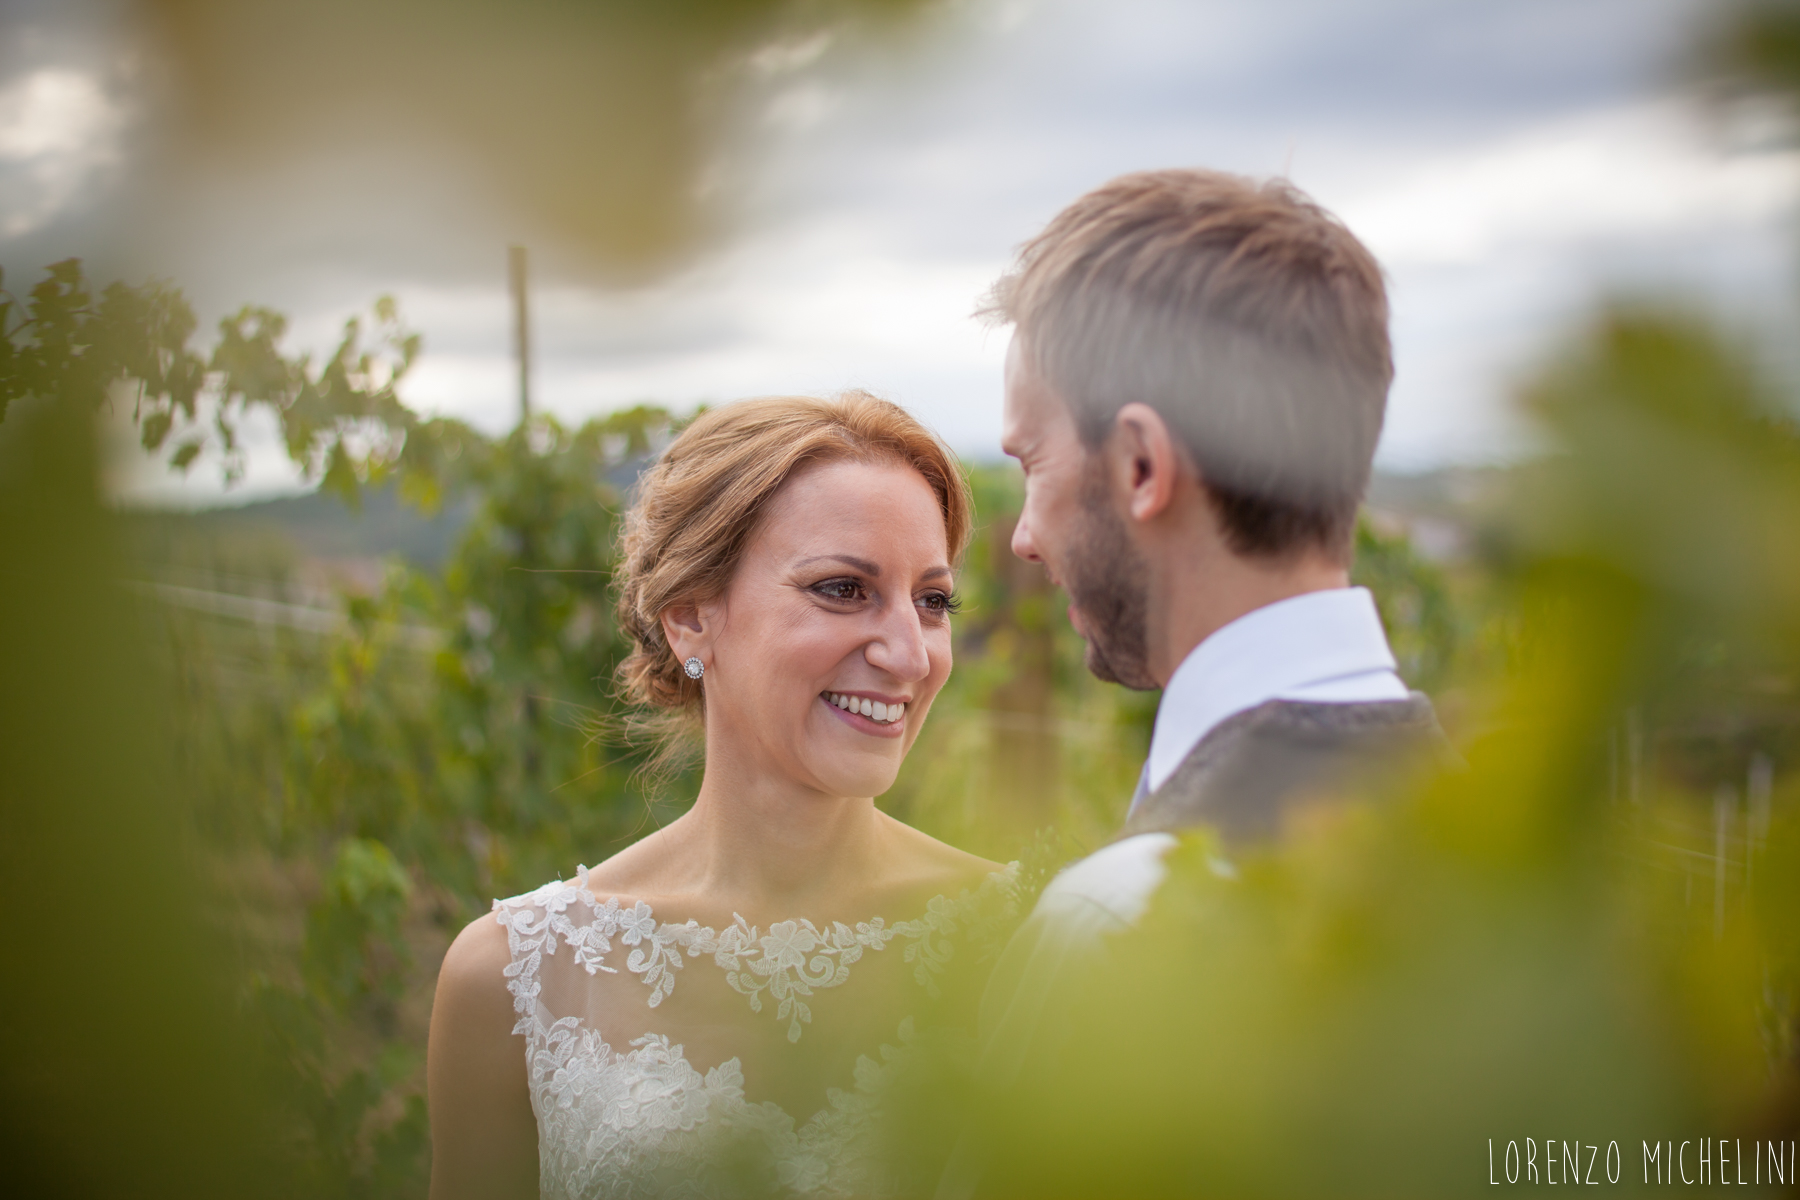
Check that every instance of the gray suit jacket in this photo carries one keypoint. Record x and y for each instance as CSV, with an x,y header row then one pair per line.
x,y
1253,768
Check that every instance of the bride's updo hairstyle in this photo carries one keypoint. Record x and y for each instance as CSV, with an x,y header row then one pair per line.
x,y
699,506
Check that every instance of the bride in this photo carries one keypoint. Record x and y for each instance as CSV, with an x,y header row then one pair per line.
x,y
718,1008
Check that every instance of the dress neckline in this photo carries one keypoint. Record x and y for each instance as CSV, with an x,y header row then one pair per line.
x,y
788,963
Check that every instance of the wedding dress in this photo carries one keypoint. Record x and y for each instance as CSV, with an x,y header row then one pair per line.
x,y
681,1071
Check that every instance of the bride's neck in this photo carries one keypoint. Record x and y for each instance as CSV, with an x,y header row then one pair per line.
x,y
773,846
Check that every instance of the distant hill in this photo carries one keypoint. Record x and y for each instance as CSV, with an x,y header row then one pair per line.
x,y
320,526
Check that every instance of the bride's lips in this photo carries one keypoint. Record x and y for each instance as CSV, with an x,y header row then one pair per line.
x,y
862,724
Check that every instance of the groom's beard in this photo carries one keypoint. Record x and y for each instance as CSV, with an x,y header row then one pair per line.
x,y
1110,583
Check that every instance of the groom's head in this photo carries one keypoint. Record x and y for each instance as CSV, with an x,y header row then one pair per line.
x,y
1200,367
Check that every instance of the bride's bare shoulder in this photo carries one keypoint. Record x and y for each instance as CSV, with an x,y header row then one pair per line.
x,y
939,865
632,873
473,973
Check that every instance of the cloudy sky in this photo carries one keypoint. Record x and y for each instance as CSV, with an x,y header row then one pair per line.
x,y
1508,161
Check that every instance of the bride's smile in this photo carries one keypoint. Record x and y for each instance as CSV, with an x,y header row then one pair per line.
x,y
884,714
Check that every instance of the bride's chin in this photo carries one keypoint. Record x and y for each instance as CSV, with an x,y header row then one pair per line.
x,y
852,778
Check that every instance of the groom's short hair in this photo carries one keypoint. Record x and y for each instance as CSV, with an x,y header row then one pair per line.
x,y
1250,318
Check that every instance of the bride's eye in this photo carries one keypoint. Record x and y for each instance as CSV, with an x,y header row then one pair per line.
x,y
941,604
846,590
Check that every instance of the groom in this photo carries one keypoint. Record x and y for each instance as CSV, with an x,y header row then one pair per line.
x,y
1197,378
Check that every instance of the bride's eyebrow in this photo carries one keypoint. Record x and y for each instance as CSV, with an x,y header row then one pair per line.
x,y
873,570
861,564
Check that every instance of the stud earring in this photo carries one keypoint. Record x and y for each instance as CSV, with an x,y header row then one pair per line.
x,y
694,668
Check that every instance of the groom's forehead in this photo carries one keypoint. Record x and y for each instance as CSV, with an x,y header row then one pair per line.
x,y
1032,412
1025,392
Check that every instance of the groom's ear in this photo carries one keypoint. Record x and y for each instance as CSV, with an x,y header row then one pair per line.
x,y
1148,458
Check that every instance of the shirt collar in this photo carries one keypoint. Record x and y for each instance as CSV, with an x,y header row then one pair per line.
x,y
1264,655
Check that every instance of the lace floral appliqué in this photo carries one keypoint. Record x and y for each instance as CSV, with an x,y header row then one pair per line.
x,y
788,962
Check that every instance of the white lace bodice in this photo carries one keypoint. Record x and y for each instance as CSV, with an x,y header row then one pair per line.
x,y
623,1112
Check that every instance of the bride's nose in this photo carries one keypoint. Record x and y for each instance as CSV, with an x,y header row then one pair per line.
x,y
898,646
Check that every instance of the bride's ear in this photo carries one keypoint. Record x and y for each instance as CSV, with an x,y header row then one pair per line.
x,y
690,629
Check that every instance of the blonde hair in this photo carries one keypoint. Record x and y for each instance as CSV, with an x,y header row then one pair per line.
x,y
698,507
1246,315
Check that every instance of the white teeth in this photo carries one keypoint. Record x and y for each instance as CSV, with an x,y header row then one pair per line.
x,y
875,710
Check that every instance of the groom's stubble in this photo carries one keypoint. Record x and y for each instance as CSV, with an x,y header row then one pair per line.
x,y
1109,582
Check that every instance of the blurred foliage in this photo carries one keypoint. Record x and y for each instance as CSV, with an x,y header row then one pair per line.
x,y
1754,45
592,122
122,1068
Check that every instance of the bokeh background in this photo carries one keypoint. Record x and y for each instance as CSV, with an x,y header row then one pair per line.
x,y
308,626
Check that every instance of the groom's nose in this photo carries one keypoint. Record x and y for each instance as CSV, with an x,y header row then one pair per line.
x,y
1022,544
